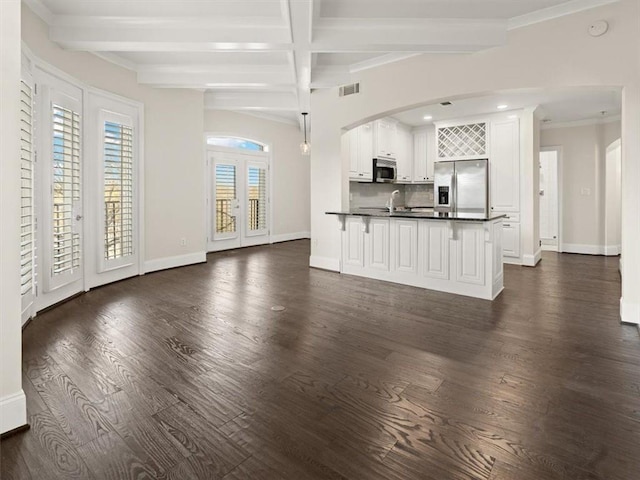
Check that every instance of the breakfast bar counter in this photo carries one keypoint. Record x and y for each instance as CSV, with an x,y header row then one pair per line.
x,y
458,253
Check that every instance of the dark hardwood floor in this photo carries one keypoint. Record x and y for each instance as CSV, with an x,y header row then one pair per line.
x,y
189,374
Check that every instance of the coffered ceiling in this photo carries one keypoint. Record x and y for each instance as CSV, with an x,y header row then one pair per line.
x,y
265,56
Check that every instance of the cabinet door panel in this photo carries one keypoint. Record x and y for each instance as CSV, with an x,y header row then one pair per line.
x,y
504,165
365,151
350,149
420,157
406,246
404,155
378,244
354,242
434,243
470,255
511,240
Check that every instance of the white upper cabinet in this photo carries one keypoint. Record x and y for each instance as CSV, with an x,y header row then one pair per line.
x,y
385,138
420,158
404,154
504,165
359,143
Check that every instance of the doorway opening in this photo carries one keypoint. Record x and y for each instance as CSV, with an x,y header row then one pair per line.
x,y
550,199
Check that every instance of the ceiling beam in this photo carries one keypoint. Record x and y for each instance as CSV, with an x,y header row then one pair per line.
x,y
122,34
301,26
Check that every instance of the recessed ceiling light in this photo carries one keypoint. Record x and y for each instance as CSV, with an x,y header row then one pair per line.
x,y
428,117
503,107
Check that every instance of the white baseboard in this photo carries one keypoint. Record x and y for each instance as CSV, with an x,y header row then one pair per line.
x,y
584,249
287,237
13,412
629,312
325,263
172,262
512,261
532,260
612,250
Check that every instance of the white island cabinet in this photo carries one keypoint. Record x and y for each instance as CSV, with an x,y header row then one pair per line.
x,y
455,256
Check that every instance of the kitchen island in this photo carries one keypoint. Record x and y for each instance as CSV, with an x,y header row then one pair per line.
x,y
454,253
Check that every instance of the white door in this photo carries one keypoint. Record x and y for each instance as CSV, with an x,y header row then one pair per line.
x,y
112,177
549,200
59,190
239,200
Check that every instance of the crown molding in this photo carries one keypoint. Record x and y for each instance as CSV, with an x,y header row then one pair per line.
x,y
581,123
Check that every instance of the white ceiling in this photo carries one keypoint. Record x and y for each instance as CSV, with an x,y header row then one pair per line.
x,y
558,106
266,55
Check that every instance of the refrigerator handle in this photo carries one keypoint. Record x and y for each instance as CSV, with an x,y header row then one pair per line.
x,y
454,190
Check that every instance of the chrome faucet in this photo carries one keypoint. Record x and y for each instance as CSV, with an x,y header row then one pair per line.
x,y
394,194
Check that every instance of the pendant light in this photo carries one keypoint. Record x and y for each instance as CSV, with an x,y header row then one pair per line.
x,y
305,147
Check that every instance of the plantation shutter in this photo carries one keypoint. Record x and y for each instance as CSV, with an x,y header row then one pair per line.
x,y
65,190
118,191
27,224
257,199
226,199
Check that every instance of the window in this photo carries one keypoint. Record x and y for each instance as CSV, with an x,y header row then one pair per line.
x,y
234,142
118,190
27,227
66,189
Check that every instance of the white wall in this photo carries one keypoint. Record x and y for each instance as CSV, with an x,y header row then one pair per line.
x,y
289,169
583,182
13,412
556,53
174,200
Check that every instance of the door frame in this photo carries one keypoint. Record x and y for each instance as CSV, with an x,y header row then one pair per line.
x,y
609,248
208,181
558,150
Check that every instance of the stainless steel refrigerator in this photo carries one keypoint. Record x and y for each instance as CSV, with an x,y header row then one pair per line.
x,y
462,186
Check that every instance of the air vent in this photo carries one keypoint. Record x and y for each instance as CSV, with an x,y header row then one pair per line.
x,y
349,89
446,104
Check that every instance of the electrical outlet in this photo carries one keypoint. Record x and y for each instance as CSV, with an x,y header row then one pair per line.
x,y
183,242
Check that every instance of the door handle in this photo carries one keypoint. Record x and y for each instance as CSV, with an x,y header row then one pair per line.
x,y
78,217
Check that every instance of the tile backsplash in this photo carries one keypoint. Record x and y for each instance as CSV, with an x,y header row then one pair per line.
x,y
377,194
419,195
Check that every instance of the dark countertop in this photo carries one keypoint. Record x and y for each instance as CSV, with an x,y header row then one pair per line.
x,y
460,217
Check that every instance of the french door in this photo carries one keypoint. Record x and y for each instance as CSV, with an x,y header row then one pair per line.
x,y
59,190
97,155
238,200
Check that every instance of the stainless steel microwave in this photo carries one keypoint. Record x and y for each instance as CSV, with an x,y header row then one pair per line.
x,y
384,170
